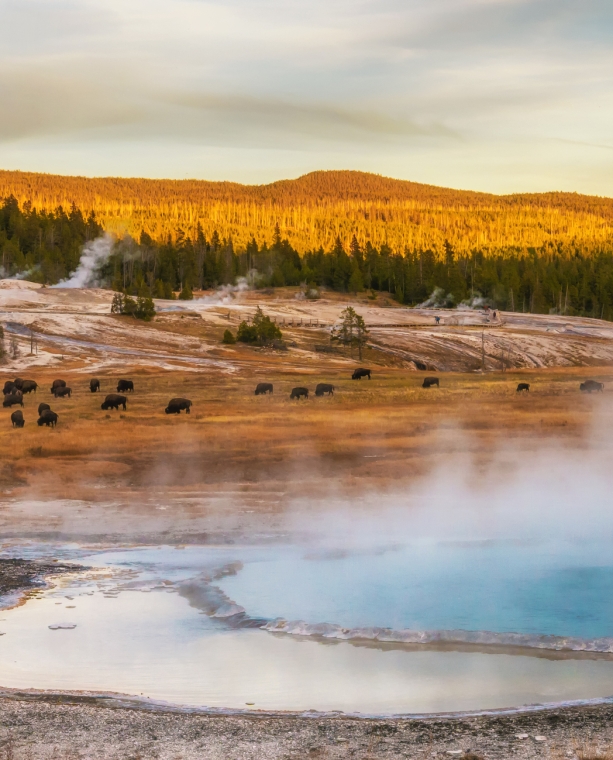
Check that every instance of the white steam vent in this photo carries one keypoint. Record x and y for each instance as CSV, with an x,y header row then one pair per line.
x,y
94,256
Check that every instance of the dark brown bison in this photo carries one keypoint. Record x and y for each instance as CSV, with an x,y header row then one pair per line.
x,y
591,385
47,418
359,373
9,387
125,385
523,387
299,393
57,384
176,405
28,386
18,382
17,419
263,388
42,408
62,391
94,385
429,382
324,388
15,398
114,401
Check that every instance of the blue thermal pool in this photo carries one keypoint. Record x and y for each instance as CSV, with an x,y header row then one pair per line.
x,y
414,628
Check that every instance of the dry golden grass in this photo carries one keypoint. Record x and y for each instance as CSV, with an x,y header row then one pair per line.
x,y
369,432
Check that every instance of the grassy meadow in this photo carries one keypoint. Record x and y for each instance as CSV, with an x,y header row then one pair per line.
x,y
369,434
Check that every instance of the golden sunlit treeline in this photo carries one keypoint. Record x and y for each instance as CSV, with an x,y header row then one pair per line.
x,y
315,209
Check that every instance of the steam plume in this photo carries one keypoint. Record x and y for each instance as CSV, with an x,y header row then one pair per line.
x,y
93,256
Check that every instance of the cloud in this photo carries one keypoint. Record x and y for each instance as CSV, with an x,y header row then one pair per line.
x,y
37,101
395,83
63,102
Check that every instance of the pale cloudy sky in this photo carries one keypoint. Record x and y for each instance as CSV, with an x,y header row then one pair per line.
x,y
497,95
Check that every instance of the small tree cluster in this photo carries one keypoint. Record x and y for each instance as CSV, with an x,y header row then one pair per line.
x,y
262,331
141,308
351,331
228,338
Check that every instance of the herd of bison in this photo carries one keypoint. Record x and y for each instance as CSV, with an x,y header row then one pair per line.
x,y
15,390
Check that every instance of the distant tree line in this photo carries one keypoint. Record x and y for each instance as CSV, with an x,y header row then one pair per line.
x,y
573,279
44,245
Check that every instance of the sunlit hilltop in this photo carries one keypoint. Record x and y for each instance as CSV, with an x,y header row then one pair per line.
x,y
316,208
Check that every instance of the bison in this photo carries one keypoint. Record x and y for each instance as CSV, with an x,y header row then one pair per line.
x,y
324,388
42,408
359,373
9,387
263,388
299,393
176,405
47,418
57,384
28,386
591,385
18,382
125,385
62,391
17,419
114,401
12,400
94,385
429,382
523,387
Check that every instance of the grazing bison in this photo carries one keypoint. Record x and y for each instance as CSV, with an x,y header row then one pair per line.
x,y
9,387
299,393
125,385
43,408
114,401
15,398
94,385
429,382
359,373
62,391
175,405
523,387
47,418
57,384
263,388
324,388
591,385
28,386
17,418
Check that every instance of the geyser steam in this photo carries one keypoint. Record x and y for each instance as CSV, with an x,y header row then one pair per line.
x,y
94,256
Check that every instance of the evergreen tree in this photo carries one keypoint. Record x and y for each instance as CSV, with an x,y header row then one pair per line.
x,y
352,330
186,294
228,338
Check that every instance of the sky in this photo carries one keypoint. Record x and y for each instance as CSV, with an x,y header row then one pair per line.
x,y
494,95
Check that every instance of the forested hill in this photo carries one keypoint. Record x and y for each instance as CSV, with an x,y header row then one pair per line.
x,y
316,209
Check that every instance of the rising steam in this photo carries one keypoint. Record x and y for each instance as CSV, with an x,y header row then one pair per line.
x,y
94,256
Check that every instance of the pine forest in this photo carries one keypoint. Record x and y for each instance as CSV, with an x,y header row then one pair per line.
x,y
347,231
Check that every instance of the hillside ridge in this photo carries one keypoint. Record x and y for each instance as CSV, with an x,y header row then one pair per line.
x,y
315,208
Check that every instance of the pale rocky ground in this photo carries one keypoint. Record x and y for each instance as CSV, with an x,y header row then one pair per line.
x,y
63,727
77,324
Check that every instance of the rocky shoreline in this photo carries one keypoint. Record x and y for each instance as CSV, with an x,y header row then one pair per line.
x,y
43,725
24,575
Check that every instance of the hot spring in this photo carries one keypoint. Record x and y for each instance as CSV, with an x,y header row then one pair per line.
x,y
409,626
